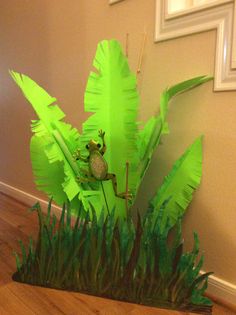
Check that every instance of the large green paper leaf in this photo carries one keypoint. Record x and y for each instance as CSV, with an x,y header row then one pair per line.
x,y
150,135
49,177
112,97
179,185
52,146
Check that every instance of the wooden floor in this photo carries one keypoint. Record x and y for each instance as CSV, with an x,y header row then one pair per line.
x,y
15,298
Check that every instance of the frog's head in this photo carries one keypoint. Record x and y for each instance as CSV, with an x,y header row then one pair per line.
x,y
93,146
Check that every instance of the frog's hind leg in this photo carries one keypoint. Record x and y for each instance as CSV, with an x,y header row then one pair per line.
x,y
82,180
85,176
124,195
85,172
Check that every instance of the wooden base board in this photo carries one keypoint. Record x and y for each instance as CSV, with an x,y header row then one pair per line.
x,y
27,198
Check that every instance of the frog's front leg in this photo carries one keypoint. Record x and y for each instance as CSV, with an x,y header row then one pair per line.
x,y
123,195
77,156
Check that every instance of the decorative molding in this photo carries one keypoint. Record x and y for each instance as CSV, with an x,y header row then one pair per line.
x,y
217,287
114,1
219,16
222,290
26,198
191,8
233,64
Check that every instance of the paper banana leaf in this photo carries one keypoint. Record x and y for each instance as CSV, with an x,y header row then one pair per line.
x,y
112,97
52,146
49,177
150,135
180,185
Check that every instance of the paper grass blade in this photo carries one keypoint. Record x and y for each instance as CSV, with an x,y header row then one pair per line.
x,y
112,97
52,145
179,185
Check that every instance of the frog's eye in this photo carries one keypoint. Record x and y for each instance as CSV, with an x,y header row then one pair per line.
x,y
87,146
99,145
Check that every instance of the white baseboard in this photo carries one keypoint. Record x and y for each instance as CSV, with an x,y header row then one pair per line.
x,y
217,287
221,289
26,198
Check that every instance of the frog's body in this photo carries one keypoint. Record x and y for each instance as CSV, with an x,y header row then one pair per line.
x,y
97,165
98,168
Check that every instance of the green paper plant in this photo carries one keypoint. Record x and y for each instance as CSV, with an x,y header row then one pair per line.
x,y
104,240
111,95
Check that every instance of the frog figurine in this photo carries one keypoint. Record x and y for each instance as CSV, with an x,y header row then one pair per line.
x,y
98,168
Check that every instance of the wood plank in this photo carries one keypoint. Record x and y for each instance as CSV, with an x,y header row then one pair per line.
x,y
35,298
11,304
21,299
108,307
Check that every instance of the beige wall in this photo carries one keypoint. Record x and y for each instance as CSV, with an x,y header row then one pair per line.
x,y
54,42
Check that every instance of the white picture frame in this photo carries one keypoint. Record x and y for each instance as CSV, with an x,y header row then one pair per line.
x,y
217,15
